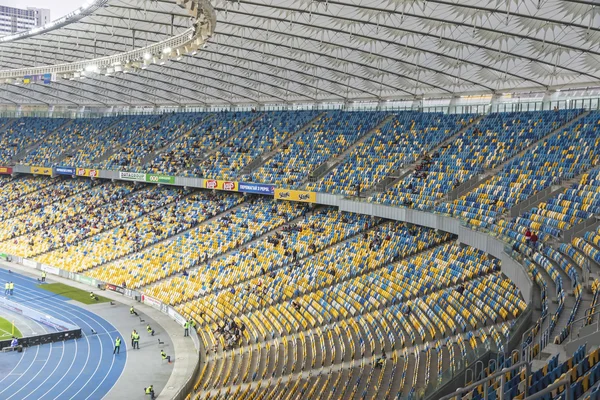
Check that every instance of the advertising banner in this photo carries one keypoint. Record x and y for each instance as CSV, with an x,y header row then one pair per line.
x,y
151,301
5,170
85,280
258,188
133,176
296,195
65,170
160,179
115,288
92,173
221,185
51,270
4,256
36,315
29,263
176,316
41,170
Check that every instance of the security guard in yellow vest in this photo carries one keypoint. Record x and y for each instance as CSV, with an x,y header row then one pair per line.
x,y
132,311
6,288
43,276
165,356
136,340
117,349
186,329
150,391
11,288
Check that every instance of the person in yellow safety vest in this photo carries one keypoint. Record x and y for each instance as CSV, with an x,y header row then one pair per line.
x,y
11,287
93,296
6,288
150,330
150,391
132,333
136,340
165,356
132,311
43,276
192,323
117,349
186,329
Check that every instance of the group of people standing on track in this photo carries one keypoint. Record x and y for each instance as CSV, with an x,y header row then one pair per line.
x,y
9,288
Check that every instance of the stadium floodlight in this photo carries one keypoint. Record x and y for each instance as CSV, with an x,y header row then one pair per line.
x,y
118,68
166,50
91,68
147,56
178,52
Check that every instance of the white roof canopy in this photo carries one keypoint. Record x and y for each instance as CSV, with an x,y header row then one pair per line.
x,y
288,51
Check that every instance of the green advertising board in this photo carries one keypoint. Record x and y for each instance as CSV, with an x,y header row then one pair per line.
x,y
170,180
86,280
3,256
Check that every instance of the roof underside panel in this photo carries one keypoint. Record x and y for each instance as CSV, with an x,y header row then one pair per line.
x,y
285,51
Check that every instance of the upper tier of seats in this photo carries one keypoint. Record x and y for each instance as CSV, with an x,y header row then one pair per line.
x,y
563,155
328,137
485,145
397,143
262,136
22,133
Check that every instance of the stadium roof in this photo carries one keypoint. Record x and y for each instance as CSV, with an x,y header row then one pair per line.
x,y
294,51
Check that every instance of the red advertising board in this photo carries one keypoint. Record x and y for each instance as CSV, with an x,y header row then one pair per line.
x,y
5,170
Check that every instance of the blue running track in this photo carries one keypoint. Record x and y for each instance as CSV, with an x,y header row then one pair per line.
x,y
83,369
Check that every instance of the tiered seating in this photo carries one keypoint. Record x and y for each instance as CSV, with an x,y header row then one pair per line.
x,y
355,256
97,148
494,139
397,143
569,208
562,156
182,155
582,370
23,133
48,192
13,189
118,208
263,136
306,237
209,240
68,199
326,138
66,140
151,139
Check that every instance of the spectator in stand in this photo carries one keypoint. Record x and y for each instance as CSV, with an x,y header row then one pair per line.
x,y
533,239
527,236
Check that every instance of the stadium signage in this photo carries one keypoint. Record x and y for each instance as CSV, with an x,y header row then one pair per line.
x,y
4,256
296,195
92,173
160,179
41,170
65,170
151,301
133,176
115,288
5,170
220,185
257,188
50,269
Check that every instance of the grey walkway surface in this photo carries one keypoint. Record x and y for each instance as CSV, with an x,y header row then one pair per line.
x,y
143,366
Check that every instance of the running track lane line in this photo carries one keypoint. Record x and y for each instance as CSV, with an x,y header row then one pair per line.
x,y
73,310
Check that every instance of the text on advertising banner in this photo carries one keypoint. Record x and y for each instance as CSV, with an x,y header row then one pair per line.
x,y
41,170
65,170
92,173
5,170
160,179
221,185
296,195
258,188
133,176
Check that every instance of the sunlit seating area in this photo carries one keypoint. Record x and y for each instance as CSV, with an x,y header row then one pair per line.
x,y
397,143
326,138
290,244
263,136
229,231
